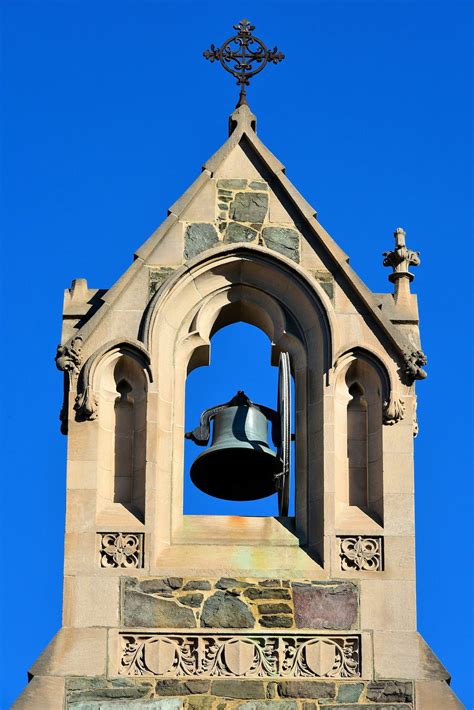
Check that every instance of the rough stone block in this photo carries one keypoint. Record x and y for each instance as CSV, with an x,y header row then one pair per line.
x,y
254,593
231,583
193,600
274,609
258,185
245,689
249,207
264,704
225,611
384,690
231,184
170,686
199,237
283,240
349,692
144,611
377,706
168,704
193,585
325,606
306,689
236,232
275,621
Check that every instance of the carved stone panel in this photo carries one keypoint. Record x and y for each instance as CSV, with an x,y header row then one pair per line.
x,y
241,656
121,550
361,553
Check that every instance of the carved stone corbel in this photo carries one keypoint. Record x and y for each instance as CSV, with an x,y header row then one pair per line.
x,y
68,357
413,366
86,405
393,410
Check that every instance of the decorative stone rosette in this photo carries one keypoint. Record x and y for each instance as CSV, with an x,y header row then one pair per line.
x,y
361,553
121,550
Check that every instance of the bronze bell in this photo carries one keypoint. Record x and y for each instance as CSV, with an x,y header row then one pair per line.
x,y
239,464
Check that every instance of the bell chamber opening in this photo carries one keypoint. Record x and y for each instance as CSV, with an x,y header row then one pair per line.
x,y
231,414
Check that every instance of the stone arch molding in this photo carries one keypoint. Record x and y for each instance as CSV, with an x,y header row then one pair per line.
x,y
271,293
393,406
86,403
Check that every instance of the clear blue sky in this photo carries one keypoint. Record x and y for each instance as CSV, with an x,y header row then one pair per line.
x,y
109,112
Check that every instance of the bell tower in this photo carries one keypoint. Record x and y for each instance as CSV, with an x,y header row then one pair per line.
x,y
316,609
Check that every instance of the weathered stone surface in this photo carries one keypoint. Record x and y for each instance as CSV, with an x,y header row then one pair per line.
x,y
85,683
306,689
245,689
257,185
249,207
222,206
255,593
168,704
231,184
274,609
276,621
193,585
384,706
384,690
137,691
223,610
269,583
163,586
349,692
264,704
170,686
283,240
144,611
239,233
231,583
199,237
193,600
325,606
200,702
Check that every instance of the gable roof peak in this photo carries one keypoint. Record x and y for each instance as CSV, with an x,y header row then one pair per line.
x,y
242,119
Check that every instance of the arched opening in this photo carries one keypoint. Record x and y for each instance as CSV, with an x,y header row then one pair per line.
x,y
240,359
358,453
122,401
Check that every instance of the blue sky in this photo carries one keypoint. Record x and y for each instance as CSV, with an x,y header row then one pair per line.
x,y
109,112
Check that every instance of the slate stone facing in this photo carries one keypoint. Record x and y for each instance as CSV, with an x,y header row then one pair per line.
x,y
201,585
325,606
168,704
258,185
377,706
145,611
163,586
236,232
192,600
231,184
274,608
249,207
349,692
283,240
274,621
170,686
306,689
199,237
393,690
245,689
257,593
264,704
231,583
224,610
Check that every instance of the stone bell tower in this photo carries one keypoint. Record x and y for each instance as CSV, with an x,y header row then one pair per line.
x,y
166,610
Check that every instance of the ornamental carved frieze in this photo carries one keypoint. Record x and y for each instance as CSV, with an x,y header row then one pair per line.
x,y
360,553
245,656
123,550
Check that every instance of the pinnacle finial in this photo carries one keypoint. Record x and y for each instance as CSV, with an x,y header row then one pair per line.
x,y
240,53
400,259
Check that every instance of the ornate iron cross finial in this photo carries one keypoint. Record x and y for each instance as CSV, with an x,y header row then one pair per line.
x,y
243,56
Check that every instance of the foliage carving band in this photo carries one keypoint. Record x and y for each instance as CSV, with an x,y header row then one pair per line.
x,y
245,656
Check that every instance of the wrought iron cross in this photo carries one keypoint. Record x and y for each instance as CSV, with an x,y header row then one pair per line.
x,y
243,56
